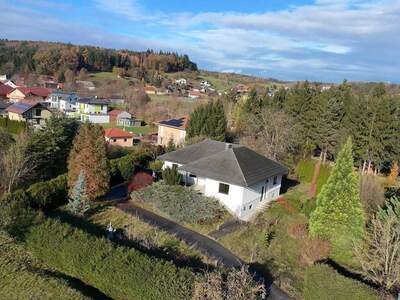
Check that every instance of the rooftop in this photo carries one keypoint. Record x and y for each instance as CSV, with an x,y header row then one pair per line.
x,y
36,91
22,107
117,133
93,101
180,123
234,164
5,89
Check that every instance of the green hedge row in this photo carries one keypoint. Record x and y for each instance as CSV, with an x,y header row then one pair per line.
x,y
119,272
45,195
12,126
305,172
323,282
122,168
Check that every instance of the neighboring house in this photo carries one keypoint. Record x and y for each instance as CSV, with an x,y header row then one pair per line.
x,y
28,93
89,85
93,110
4,90
9,83
150,90
172,130
116,136
194,94
123,118
32,112
116,99
181,81
48,81
63,101
3,108
241,179
241,88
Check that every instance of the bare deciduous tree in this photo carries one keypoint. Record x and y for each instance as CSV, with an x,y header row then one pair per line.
x,y
273,133
16,164
379,255
372,193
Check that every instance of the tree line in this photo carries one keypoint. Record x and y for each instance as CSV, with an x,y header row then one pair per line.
x,y
55,58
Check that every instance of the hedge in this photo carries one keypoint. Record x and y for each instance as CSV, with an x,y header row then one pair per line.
x,y
119,272
323,282
305,172
12,126
49,194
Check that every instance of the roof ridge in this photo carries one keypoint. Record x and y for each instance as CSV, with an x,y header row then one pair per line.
x,y
237,161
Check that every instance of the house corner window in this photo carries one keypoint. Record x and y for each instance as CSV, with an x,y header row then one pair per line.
x,y
275,180
125,140
223,188
114,140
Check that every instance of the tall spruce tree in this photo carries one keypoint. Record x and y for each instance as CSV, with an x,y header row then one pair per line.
x,y
339,216
208,121
77,204
89,155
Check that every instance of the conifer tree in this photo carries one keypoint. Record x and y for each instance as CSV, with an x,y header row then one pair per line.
x,y
339,217
77,203
89,155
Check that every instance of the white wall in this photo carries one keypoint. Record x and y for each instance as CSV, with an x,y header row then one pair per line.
x,y
93,118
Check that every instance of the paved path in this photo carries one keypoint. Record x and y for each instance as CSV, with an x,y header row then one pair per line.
x,y
204,244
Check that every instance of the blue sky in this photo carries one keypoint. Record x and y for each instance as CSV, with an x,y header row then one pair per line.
x,y
323,40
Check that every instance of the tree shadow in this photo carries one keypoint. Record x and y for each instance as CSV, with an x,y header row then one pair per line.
x,y
170,254
83,288
288,183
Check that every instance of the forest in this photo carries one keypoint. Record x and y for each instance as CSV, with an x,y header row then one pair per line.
x,y
54,58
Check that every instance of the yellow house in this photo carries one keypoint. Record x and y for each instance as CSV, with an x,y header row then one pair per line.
x,y
31,112
172,130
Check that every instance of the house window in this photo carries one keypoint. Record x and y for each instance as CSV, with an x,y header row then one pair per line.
x,y
192,175
114,140
250,206
262,193
275,180
125,140
38,112
223,188
174,166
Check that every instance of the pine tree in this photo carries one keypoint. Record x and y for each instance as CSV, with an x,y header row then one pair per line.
x,y
89,155
339,217
77,203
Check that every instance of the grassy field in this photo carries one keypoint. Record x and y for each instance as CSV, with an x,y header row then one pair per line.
x,y
136,130
101,77
148,236
24,277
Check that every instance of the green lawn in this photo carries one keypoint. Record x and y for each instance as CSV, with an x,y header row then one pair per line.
x,y
136,130
24,277
104,76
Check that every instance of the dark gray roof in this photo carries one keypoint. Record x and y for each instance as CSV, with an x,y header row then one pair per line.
x,y
93,101
4,105
194,152
236,165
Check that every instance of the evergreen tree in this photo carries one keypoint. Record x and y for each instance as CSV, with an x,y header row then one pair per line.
x,y
339,217
171,176
77,203
89,155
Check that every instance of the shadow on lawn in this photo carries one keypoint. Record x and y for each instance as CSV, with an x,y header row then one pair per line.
x,y
170,254
288,183
86,290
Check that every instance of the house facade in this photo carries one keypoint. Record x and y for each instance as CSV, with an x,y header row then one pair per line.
x,y
63,101
172,130
93,110
244,181
32,112
123,118
28,93
119,137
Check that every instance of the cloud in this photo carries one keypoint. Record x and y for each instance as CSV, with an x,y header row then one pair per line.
x,y
327,40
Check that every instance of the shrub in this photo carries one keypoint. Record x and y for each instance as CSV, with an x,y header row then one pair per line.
x,y
323,282
49,194
171,176
12,126
371,193
15,214
156,165
180,203
140,181
119,272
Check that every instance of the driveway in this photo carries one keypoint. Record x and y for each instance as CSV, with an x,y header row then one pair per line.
x,y
204,244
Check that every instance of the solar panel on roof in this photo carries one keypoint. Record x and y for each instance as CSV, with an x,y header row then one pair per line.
x,y
173,122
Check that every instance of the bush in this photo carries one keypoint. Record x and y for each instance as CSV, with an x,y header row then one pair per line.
x,y
15,214
323,282
180,203
49,194
156,165
119,272
12,126
140,181
171,176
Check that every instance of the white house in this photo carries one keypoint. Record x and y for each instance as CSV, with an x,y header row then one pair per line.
x,y
242,180
93,110
181,81
62,101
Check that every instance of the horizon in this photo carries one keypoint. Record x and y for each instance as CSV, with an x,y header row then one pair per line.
x,y
323,40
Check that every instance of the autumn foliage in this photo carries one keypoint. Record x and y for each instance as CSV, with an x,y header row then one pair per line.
x,y
139,181
89,155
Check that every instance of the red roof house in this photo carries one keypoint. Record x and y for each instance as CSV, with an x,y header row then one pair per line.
x,y
119,137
